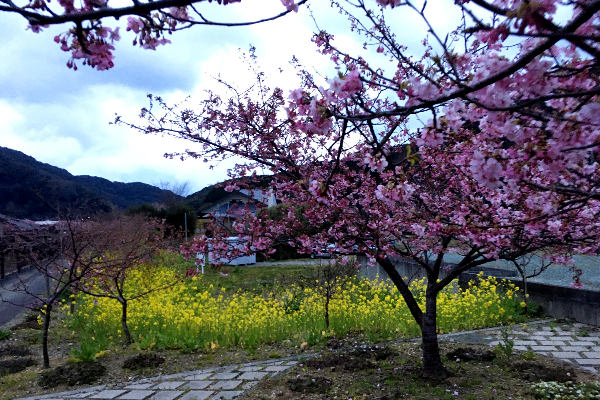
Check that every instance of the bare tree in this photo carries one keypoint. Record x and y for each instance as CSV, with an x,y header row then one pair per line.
x,y
134,241
63,254
328,278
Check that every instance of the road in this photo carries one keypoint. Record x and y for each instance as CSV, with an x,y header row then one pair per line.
x,y
12,301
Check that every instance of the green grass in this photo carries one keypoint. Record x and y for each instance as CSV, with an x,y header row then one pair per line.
x,y
253,279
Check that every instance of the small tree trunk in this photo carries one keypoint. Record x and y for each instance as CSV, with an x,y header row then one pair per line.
x,y
72,309
2,264
327,311
525,293
126,333
432,362
45,336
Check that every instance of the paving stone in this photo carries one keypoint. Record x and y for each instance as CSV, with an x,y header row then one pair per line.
x,y
197,384
494,343
196,395
251,376
94,389
546,328
582,344
277,368
588,361
543,333
565,333
526,343
227,385
596,348
108,394
168,385
587,339
574,348
537,337
179,375
225,375
251,368
139,386
591,354
227,394
137,395
566,354
292,363
249,384
552,343
167,395
522,348
590,369
543,348
81,395
198,377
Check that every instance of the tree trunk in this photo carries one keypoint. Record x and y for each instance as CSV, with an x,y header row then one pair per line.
x,y
128,338
2,264
45,336
327,312
525,293
432,362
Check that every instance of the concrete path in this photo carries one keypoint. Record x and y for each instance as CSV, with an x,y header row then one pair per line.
x,y
575,343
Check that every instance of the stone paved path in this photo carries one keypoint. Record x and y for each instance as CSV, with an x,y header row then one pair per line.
x,y
213,383
574,343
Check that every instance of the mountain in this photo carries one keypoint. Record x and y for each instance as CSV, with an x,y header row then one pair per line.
x,y
35,190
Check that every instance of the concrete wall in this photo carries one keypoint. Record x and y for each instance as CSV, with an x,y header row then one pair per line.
x,y
556,301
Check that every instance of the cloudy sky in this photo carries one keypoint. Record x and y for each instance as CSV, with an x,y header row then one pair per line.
x,y
61,117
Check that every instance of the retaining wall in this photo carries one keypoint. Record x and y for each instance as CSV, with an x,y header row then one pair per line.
x,y
556,301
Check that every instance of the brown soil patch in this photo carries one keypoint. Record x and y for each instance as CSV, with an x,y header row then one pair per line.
x,y
465,354
72,374
144,360
14,365
543,369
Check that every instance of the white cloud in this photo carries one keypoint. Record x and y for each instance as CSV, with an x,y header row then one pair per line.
x,y
62,117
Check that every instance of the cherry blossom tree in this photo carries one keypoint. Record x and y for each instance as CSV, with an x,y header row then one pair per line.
x,y
403,201
503,164
92,43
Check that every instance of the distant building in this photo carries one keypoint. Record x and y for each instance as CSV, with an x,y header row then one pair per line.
x,y
232,206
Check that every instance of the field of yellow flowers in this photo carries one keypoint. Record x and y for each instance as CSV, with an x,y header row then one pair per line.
x,y
192,314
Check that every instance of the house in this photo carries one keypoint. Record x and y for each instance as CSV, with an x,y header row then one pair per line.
x,y
232,205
